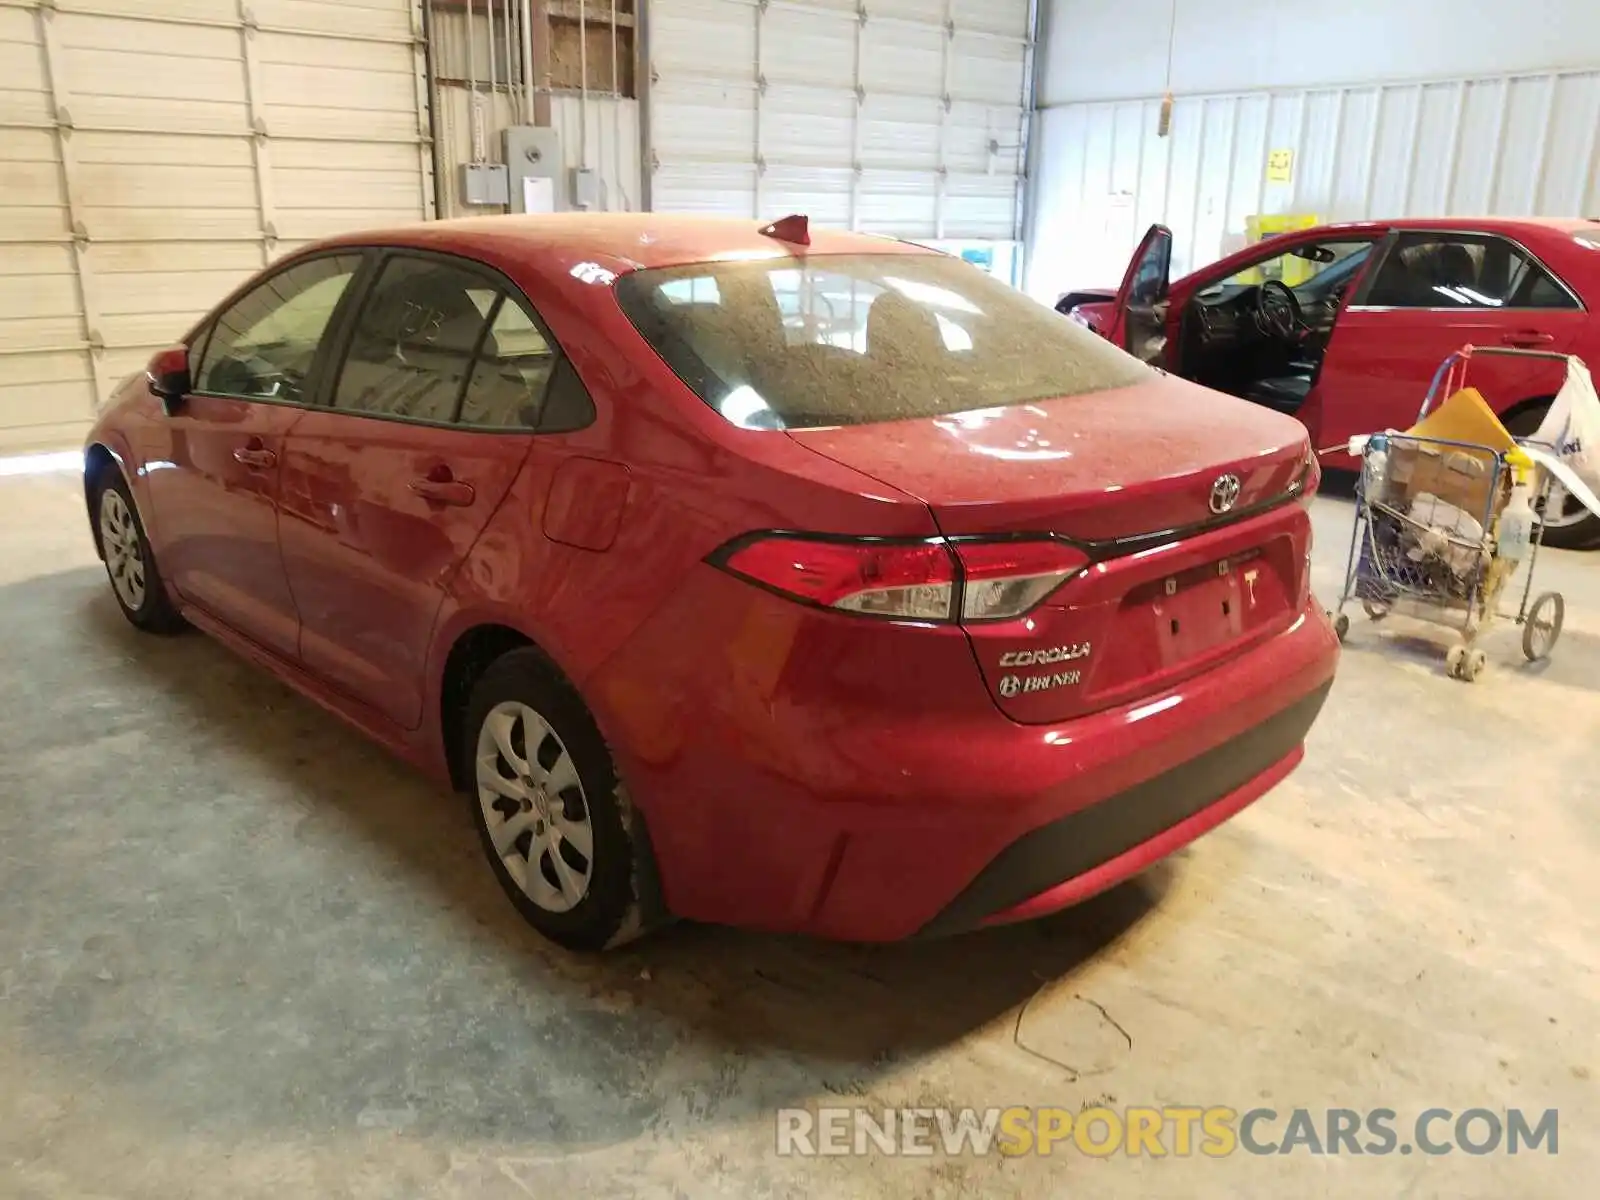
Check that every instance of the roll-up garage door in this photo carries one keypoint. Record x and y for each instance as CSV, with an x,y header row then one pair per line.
x,y
902,117
153,153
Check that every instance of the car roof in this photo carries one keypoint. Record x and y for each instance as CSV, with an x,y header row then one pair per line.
x,y
617,241
1473,224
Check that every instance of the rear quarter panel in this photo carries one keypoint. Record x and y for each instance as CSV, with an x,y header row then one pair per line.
x,y
693,482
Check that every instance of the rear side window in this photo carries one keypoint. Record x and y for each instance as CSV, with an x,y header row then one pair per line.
x,y
512,373
789,343
414,340
1468,271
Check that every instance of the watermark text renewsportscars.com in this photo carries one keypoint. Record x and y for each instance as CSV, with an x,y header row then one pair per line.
x,y
1157,1132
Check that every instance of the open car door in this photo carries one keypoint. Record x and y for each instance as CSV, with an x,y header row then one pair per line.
x,y
1142,298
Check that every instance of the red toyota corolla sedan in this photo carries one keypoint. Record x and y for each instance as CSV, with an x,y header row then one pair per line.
x,y
1344,326
802,582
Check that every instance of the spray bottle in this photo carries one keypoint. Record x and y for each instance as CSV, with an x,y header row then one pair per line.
x,y
1514,531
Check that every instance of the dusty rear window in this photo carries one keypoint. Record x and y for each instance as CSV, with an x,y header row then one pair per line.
x,y
790,343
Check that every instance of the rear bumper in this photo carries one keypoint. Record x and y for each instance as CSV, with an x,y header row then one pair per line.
x,y
1087,851
1034,820
820,785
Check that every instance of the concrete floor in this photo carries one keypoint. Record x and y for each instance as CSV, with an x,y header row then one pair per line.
x,y
243,953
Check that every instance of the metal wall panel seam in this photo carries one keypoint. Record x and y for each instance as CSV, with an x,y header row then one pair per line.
x,y
1497,144
1373,128
1413,140
1542,151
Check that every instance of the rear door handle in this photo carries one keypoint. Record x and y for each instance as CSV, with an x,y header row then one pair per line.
x,y
255,455
1528,337
444,491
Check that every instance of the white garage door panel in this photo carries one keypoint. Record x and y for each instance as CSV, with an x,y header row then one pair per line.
x,y
823,194
202,139
1003,17
899,57
805,125
24,90
711,120
698,33
988,69
712,190
901,131
901,203
25,259
744,96
809,46
384,20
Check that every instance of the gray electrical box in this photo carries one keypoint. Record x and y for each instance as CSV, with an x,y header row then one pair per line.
x,y
483,183
585,188
538,180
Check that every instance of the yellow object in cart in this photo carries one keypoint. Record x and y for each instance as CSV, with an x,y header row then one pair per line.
x,y
1465,417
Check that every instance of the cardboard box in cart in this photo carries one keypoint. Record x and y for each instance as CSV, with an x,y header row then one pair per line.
x,y
1457,475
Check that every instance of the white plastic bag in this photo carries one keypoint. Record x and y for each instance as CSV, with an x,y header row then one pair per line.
x,y
1572,426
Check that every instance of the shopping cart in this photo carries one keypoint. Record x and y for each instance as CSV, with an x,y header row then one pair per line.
x,y
1416,554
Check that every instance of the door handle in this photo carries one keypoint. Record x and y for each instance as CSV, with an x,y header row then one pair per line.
x,y
1527,338
255,455
437,490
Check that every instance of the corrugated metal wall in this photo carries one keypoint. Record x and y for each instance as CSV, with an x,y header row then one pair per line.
x,y
899,116
155,152
1522,145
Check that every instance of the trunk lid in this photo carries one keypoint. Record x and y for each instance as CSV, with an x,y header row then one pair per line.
x,y
1137,475
1095,467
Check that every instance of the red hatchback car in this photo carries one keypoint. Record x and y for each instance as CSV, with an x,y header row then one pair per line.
x,y
804,583
1343,326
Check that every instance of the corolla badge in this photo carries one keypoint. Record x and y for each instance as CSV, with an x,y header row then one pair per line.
x,y
1224,493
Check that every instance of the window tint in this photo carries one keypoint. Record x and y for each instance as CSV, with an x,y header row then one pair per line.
x,y
413,341
567,405
263,346
513,370
1472,271
852,339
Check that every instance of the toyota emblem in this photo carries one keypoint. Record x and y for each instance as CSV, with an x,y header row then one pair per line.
x,y
1224,493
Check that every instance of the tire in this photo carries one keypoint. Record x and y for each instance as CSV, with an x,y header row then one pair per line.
x,y
1582,533
131,569
542,784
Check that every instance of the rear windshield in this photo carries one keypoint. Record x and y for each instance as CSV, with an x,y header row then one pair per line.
x,y
790,343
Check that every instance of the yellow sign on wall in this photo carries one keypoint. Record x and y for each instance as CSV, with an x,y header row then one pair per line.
x,y
1280,166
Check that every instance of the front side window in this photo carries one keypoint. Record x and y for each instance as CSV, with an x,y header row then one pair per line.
x,y
787,343
1316,269
1466,271
414,340
263,346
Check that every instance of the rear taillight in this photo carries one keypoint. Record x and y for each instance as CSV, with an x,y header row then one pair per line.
x,y
925,580
1004,579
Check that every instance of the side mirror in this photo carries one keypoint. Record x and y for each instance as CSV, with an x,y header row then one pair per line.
x,y
168,376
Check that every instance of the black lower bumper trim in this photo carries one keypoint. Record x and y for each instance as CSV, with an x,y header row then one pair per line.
x,y
1052,854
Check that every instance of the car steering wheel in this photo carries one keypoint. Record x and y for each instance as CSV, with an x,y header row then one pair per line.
x,y
1278,309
